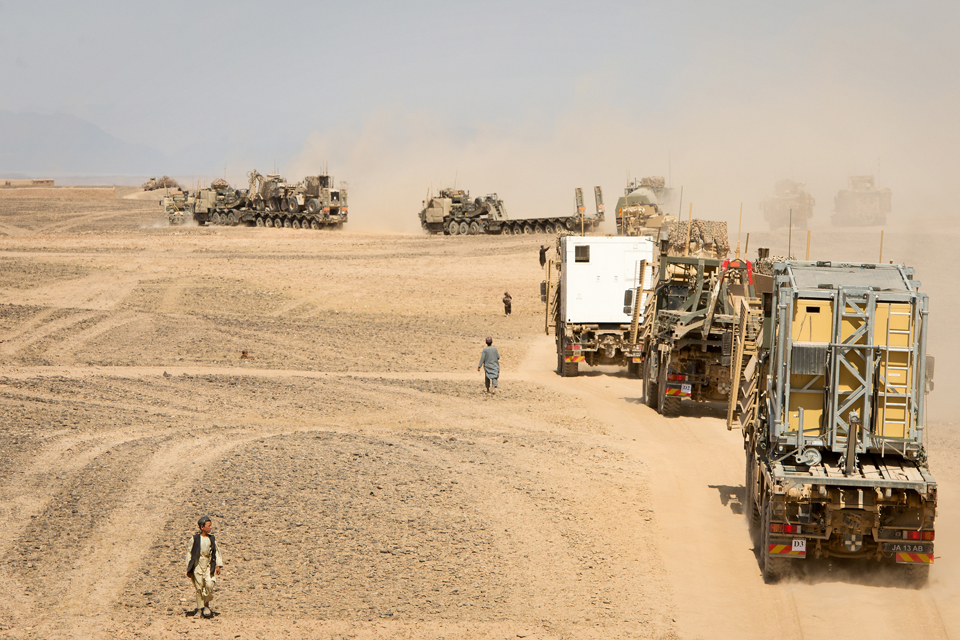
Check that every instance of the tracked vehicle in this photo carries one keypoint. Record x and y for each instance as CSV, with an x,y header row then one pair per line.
x,y
832,375
454,213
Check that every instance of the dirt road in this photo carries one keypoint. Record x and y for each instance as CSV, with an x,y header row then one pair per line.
x,y
361,483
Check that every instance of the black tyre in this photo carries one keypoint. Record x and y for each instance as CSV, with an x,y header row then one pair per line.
x,y
750,508
773,568
505,230
453,228
273,204
260,221
668,406
569,224
313,205
259,204
292,205
287,223
538,229
296,224
474,228
528,229
278,222
517,230
464,228
215,218
314,225
267,222
650,395
548,228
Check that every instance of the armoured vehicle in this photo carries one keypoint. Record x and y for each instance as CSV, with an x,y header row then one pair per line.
x,y
177,206
166,182
861,204
832,374
687,338
596,292
642,210
790,201
454,213
268,206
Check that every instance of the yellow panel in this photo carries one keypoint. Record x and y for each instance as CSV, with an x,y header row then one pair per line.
x,y
812,404
812,320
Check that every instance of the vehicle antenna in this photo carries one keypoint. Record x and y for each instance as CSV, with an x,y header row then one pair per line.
x,y
680,205
881,246
790,237
739,227
808,246
689,229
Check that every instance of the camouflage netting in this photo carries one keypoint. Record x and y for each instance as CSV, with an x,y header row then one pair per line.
x,y
704,234
219,184
765,266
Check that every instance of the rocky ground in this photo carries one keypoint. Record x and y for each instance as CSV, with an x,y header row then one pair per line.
x,y
361,483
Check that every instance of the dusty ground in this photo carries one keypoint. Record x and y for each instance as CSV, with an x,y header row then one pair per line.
x,y
361,483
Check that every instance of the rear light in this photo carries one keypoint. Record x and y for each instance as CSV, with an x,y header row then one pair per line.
x,y
784,528
918,535
574,346
676,376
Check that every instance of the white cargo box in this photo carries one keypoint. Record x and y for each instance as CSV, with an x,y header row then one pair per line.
x,y
596,273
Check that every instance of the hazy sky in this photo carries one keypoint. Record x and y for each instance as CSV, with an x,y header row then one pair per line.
x,y
530,99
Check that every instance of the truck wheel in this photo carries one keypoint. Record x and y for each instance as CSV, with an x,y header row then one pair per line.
x,y
538,229
215,218
267,222
505,230
278,223
527,229
474,228
273,204
287,223
568,223
464,228
773,568
313,205
259,221
570,369
650,395
453,228
259,204
750,508
517,230
314,225
548,228
296,224
233,219
668,406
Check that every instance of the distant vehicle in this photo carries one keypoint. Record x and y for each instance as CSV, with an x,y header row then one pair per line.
x,y
861,204
453,213
166,182
790,201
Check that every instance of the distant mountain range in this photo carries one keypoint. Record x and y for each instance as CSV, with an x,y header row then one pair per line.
x,y
38,145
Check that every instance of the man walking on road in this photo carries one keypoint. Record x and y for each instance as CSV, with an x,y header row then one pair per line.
x,y
543,255
507,303
204,563
490,363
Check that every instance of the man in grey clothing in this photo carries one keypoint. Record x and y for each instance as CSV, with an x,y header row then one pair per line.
x,y
490,363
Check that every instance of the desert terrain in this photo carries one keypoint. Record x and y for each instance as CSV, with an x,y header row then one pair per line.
x,y
362,484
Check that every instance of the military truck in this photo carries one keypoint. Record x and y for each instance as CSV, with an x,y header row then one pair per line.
x,y
453,213
642,209
687,338
177,206
273,203
832,378
790,202
861,204
166,182
596,292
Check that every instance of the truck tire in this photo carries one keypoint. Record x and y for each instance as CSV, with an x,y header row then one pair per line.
x,y
538,229
292,205
528,229
650,396
454,228
267,222
287,223
474,228
314,225
233,218
505,230
296,224
570,369
517,230
277,222
750,508
668,406
273,204
568,223
259,221
259,204
773,568
313,205
464,228
548,228
215,218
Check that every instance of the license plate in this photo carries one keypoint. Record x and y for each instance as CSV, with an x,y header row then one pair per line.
x,y
901,547
686,389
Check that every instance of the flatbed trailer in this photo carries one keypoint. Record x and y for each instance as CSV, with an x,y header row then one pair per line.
x,y
832,405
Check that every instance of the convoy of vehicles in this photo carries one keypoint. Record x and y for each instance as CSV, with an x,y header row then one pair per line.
x,y
790,203
452,213
269,201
